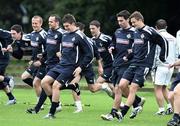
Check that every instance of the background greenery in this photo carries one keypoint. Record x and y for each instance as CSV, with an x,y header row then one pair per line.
x,y
86,10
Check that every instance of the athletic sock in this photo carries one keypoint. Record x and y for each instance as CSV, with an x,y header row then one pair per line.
x,y
136,101
124,110
53,107
41,101
113,112
78,105
169,105
50,98
176,116
10,96
28,81
161,109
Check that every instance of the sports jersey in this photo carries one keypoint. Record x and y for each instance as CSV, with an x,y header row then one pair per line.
x,y
38,43
122,40
103,42
75,50
5,40
53,45
145,41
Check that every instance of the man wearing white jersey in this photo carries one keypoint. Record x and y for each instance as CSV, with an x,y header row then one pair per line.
x,y
163,74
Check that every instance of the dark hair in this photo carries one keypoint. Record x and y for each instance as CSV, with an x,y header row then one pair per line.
x,y
161,24
137,15
17,28
80,25
68,18
123,13
57,18
96,23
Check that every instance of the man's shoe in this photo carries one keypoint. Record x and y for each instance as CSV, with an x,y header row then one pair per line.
x,y
107,89
135,111
173,122
59,108
160,113
119,116
143,100
108,117
49,116
31,111
78,111
11,102
169,111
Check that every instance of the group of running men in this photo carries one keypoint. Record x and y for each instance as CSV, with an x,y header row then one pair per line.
x,y
60,57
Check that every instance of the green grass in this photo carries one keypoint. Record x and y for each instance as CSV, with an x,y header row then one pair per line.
x,y
99,102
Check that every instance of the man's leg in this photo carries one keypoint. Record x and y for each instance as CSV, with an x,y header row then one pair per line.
x,y
159,99
55,99
27,78
175,121
117,100
169,109
11,97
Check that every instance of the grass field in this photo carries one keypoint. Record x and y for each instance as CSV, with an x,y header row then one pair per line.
x,y
100,103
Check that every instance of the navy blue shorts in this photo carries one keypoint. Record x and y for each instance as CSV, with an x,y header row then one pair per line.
x,y
3,69
32,70
89,75
175,82
3,85
63,74
117,74
107,74
41,72
136,74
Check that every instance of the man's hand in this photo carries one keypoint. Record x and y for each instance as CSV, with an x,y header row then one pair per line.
x,y
9,48
110,50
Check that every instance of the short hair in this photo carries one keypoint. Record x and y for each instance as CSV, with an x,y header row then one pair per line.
x,y
57,18
38,17
68,18
96,23
123,13
137,15
161,24
80,25
17,28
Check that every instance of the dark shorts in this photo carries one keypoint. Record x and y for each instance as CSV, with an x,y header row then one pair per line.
x,y
32,70
117,74
89,75
136,74
41,72
50,66
3,85
3,69
175,82
107,74
63,74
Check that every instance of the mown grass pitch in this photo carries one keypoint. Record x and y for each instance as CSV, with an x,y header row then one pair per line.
x,y
94,105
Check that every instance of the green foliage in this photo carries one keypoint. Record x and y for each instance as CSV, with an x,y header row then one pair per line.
x,y
84,11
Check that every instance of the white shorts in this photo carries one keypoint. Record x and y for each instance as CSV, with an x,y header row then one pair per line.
x,y
163,75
